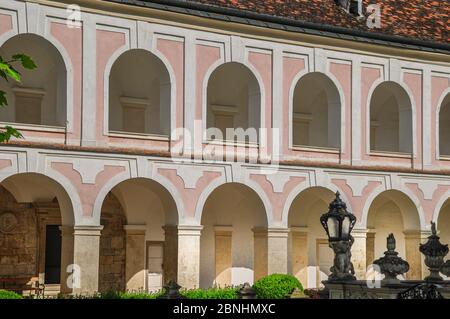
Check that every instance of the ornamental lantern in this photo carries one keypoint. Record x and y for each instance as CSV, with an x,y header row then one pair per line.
x,y
338,222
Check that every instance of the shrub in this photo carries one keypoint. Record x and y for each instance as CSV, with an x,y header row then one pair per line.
x,y
212,293
115,295
5,294
276,286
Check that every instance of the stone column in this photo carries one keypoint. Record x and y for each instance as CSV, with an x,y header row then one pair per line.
x,y
260,251
223,255
277,250
370,247
413,255
66,256
189,255
299,257
359,255
135,257
86,257
170,263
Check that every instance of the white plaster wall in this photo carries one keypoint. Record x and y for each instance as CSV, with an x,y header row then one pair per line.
x,y
50,76
443,226
237,206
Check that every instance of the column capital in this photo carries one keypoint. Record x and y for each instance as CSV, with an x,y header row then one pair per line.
x,y
278,232
135,229
87,230
360,233
189,230
299,229
222,230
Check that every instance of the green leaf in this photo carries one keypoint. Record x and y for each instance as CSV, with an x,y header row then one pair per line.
x,y
9,132
10,71
3,100
27,62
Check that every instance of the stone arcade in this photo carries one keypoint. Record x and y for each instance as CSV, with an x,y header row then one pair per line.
x,y
102,192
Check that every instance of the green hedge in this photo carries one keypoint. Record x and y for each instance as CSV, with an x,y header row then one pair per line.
x,y
211,293
276,286
5,294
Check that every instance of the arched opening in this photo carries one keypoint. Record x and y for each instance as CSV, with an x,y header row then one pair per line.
x,y
391,119
138,244
233,244
444,127
316,117
36,219
139,95
41,97
233,101
394,212
443,224
310,257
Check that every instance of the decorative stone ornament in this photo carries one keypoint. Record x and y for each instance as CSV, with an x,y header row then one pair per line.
x,y
8,222
338,223
434,253
391,265
445,269
247,292
172,291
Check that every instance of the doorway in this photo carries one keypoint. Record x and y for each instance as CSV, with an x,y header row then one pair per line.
x,y
52,254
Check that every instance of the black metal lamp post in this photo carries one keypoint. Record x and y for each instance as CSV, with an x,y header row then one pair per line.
x,y
338,223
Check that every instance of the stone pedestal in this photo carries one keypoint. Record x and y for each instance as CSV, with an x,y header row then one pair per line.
x,y
370,247
413,255
86,258
299,257
359,258
277,249
223,255
66,257
135,257
260,250
170,262
189,255
358,289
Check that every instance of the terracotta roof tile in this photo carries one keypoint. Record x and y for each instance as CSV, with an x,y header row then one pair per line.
x,y
419,19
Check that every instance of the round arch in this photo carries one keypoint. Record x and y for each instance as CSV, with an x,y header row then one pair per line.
x,y
443,106
335,99
121,178
256,94
150,92
29,187
58,99
406,194
256,189
117,55
298,190
404,102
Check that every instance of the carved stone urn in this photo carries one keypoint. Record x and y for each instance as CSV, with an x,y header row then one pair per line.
x,y
445,269
391,265
435,253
